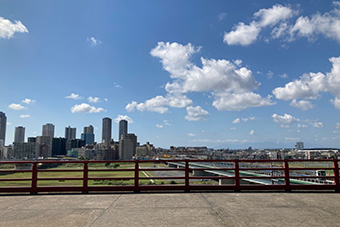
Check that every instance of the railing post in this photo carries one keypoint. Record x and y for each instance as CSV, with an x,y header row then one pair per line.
x,y
336,175
34,178
237,176
136,188
85,177
287,178
187,185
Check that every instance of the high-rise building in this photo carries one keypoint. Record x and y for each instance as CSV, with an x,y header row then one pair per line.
x,y
48,130
3,123
70,133
58,146
89,129
19,135
123,128
88,135
299,146
43,146
106,130
127,146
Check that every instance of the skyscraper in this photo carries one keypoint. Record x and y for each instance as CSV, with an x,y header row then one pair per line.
x,y
3,122
88,135
127,146
70,133
48,130
19,135
123,128
106,130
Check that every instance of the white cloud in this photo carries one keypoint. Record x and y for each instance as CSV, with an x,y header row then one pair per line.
x,y
244,35
232,129
167,123
93,41
302,126
195,113
303,104
236,121
336,102
106,100
337,125
7,28
285,121
73,96
28,101
85,108
238,62
317,125
35,133
284,76
227,101
159,126
248,119
221,16
252,132
123,117
15,106
116,85
25,116
191,134
93,99
9,123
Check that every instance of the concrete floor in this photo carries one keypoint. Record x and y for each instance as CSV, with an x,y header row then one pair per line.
x,y
172,209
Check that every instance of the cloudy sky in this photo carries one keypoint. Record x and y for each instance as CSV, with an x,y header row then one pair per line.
x,y
185,73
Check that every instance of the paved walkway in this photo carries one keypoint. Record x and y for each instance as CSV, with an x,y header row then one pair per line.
x,y
172,209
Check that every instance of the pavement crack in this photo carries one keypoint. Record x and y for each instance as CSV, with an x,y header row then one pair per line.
x,y
101,214
213,208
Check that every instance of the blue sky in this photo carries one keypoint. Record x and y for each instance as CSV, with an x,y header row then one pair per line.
x,y
229,74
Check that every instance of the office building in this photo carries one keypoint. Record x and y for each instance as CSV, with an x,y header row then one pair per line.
x,y
74,143
3,123
127,146
123,128
48,130
24,151
70,133
19,135
88,135
58,146
106,130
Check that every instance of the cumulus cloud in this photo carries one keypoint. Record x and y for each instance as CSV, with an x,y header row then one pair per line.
x,y
191,134
159,126
24,116
28,101
243,34
15,106
73,96
93,41
85,108
302,104
317,124
285,121
123,117
228,101
159,103
337,125
93,99
8,28
196,113
309,86
252,132
236,121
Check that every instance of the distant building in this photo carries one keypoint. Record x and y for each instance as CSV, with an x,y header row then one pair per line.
x,y
6,152
43,146
74,143
24,150
48,130
3,124
106,130
70,133
88,135
127,146
145,150
299,146
123,128
19,135
58,146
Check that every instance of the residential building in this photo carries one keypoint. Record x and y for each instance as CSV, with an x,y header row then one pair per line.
x,y
127,146
123,128
70,133
43,146
106,130
19,135
48,130
299,146
3,124
24,150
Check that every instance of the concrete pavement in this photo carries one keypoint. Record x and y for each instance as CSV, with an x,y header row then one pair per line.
x,y
172,209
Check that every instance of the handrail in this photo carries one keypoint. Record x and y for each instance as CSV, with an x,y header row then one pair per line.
x,y
240,175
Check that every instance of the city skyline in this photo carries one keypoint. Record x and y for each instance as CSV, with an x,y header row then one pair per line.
x,y
182,73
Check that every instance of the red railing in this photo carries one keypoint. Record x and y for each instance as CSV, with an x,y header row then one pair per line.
x,y
234,175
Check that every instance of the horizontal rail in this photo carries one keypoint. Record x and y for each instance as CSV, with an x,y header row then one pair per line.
x,y
237,175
